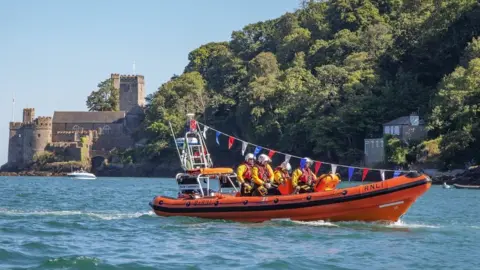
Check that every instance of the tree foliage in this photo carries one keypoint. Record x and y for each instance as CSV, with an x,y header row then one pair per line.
x,y
106,98
319,80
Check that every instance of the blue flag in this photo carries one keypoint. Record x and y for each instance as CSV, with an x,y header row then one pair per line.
x,y
257,150
218,134
303,163
350,173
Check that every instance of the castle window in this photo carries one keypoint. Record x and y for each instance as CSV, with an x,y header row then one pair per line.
x,y
38,135
106,129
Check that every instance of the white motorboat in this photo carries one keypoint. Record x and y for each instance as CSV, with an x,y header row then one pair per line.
x,y
82,175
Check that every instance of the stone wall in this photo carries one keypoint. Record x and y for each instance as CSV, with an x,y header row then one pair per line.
x,y
107,128
108,143
374,151
413,132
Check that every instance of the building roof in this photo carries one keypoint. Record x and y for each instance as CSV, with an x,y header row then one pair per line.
x,y
404,120
88,117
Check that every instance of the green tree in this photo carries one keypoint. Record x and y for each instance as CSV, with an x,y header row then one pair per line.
x,y
106,98
174,99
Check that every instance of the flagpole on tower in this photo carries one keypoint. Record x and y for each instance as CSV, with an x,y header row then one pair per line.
x,y
13,107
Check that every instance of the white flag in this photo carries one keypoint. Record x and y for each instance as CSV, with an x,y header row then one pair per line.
x,y
244,148
382,174
334,168
287,158
205,132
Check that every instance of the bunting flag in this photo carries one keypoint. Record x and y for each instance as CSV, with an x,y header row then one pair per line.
x,y
193,125
303,162
230,142
218,134
244,147
350,173
334,168
257,150
317,166
364,174
205,132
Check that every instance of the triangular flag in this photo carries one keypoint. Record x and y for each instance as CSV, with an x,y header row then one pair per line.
x,y
382,174
230,142
205,132
350,173
218,134
257,150
317,166
334,168
244,147
287,158
396,174
364,174
193,125
303,162
271,153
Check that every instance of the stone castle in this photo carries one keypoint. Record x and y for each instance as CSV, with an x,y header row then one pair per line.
x,y
80,136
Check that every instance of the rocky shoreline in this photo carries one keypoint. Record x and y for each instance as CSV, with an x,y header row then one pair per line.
x,y
467,177
33,173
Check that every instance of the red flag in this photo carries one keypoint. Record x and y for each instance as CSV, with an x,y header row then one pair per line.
x,y
365,171
317,166
230,142
271,153
193,125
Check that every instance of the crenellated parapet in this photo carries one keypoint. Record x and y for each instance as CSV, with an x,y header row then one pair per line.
x,y
132,79
43,122
15,125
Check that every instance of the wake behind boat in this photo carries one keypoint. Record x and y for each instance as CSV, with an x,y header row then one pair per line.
x,y
82,175
381,201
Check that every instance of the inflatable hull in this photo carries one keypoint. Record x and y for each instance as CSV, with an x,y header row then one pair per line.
x,y
380,201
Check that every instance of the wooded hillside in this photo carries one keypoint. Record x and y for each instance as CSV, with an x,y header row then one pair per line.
x,y
317,81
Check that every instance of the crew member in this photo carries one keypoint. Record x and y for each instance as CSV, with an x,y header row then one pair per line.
x,y
262,176
281,173
244,175
303,179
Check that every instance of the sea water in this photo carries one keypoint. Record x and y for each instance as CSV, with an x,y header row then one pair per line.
x,y
60,223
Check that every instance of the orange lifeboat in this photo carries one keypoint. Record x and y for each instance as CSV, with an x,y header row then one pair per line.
x,y
209,192
379,201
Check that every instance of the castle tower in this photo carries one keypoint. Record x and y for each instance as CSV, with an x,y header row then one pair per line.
x,y
28,115
131,92
41,134
15,143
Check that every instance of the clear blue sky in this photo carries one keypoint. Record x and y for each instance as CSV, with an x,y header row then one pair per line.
x,y
54,52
